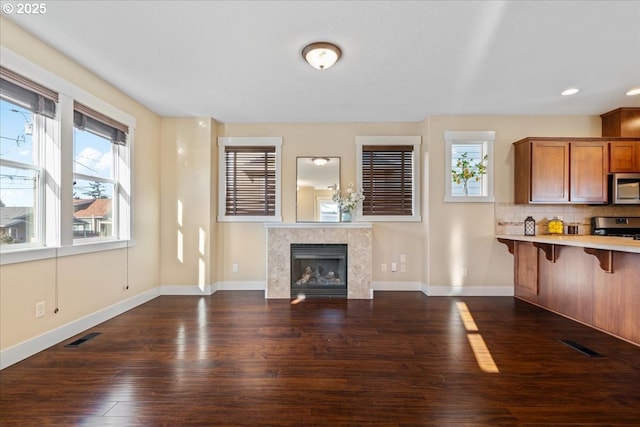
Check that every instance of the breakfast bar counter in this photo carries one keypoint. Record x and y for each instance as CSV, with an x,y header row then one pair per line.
x,y
592,279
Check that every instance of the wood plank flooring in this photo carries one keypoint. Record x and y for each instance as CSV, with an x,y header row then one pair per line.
x,y
401,359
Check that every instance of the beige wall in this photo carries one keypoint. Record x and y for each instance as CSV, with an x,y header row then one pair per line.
x,y
187,165
176,161
84,284
461,234
244,243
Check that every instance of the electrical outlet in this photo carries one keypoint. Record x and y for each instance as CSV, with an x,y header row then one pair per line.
x,y
403,268
394,267
403,258
383,267
234,268
40,309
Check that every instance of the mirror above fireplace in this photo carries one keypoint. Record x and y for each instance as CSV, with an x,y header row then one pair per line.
x,y
314,178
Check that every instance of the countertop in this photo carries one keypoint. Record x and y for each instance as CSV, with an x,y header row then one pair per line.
x,y
621,244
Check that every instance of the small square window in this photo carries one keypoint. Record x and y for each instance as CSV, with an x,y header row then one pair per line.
x,y
469,166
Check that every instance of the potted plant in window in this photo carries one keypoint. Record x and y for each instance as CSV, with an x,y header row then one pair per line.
x,y
349,202
465,170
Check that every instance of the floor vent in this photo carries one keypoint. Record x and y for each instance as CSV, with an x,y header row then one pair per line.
x,y
582,349
82,340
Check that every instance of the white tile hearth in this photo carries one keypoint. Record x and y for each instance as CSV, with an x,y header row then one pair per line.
x,y
357,236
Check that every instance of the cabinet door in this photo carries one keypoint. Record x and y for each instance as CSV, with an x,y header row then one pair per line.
x,y
624,156
549,171
589,169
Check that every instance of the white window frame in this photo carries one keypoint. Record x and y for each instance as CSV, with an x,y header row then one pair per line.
x,y
247,141
57,197
486,139
415,141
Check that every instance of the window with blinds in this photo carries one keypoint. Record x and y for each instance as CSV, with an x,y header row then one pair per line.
x,y
27,93
387,179
250,176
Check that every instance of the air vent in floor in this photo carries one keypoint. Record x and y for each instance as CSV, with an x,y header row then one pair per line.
x,y
82,340
582,349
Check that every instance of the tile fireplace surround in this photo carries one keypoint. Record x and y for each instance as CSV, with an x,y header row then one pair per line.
x,y
357,236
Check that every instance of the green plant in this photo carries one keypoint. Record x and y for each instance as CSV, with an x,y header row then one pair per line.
x,y
465,170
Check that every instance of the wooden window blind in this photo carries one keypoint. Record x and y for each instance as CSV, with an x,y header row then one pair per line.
x,y
86,118
250,180
387,179
27,93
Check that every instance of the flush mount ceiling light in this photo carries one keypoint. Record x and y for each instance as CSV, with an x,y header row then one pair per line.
x,y
633,92
320,161
570,91
321,55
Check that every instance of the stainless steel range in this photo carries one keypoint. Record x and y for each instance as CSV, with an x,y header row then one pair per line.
x,y
622,226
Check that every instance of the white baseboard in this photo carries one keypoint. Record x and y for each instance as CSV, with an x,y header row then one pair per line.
x,y
397,286
187,290
469,291
241,286
35,345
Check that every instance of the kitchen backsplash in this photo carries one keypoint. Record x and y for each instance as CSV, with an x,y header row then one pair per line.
x,y
510,217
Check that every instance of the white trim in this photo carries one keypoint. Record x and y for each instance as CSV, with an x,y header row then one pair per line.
x,y
194,290
397,286
487,140
25,67
320,225
59,203
255,141
36,254
416,141
469,291
242,286
35,345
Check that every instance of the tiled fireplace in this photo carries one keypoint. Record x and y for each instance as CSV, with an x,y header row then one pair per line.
x,y
356,236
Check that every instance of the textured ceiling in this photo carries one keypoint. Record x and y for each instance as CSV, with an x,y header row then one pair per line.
x,y
402,60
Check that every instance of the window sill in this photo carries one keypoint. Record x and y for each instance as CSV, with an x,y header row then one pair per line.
x,y
26,255
469,199
249,219
389,218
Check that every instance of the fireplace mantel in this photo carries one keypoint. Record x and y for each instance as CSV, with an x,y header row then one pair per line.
x,y
357,236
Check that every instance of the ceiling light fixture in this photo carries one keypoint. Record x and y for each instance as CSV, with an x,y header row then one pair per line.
x,y
570,91
320,161
633,92
321,55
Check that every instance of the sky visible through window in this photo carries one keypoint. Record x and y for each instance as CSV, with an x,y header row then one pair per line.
x,y
93,156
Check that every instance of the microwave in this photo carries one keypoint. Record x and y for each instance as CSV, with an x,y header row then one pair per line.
x,y
624,188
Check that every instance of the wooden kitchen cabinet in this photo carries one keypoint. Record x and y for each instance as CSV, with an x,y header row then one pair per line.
x,y
624,156
561,170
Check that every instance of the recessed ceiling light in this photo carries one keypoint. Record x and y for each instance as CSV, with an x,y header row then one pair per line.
x,y
570,91
635,91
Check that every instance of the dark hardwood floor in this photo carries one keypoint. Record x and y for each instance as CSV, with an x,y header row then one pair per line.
x,y
402,359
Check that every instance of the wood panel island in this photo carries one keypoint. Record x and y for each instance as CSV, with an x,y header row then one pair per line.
x,y
592,279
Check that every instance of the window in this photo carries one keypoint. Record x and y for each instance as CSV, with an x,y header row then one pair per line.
x,y
65,178
97,142
26,113
469,166
250,179
388,175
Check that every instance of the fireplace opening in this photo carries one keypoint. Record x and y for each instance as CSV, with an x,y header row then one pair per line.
x,y
319,270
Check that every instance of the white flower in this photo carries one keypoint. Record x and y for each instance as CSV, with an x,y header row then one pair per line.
x,y
350,201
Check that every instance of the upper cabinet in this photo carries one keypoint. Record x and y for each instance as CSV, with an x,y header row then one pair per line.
x,y
561,170
624,156
621,122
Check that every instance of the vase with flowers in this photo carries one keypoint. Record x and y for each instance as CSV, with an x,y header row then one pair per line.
x,y
348,202
465,170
